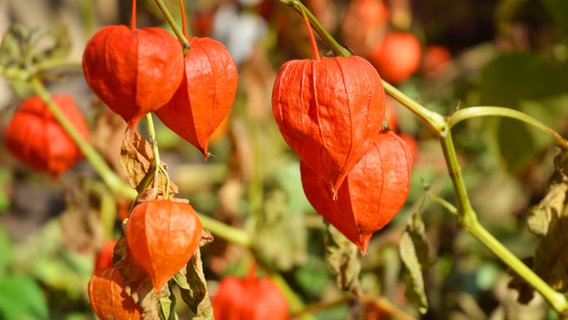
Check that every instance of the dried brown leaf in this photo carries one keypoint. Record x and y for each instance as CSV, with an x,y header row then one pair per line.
x,y
137,160
342,256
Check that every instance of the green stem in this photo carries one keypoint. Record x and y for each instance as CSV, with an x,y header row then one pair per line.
x,y
465,210
433,120
170,20
157,161
337,49
486,111
224,231
115,184
469,222
556,299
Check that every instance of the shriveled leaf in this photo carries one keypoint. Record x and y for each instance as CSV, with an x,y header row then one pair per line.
x,y
137,160
11,46
551,256
549,221
192,285
342,256
414,253
56,44
167,307
550,206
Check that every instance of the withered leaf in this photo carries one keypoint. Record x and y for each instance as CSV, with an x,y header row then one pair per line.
x,y
549,221
342,256
192,285
414,252
137,160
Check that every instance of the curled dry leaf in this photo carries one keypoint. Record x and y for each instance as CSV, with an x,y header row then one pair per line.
x,y
137,160
372,194
163,235
329,112
206,93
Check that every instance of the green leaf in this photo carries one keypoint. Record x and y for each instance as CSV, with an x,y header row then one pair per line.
x,y
516,144
515,77
559,11
313,276
343,258
414,252
21,298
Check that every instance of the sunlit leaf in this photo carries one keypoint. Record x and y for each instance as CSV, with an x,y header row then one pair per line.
x,y
515,77
516,144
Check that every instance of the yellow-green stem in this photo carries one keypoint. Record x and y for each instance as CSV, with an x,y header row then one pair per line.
x,y
170,20
490,111
433,120
556,299
226,232
115,184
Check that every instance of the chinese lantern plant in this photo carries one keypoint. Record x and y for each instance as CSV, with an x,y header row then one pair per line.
x,y
206,93
397,56
329,110
36,138
163,235
373,193
249,298
364,24
125,66
108,296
